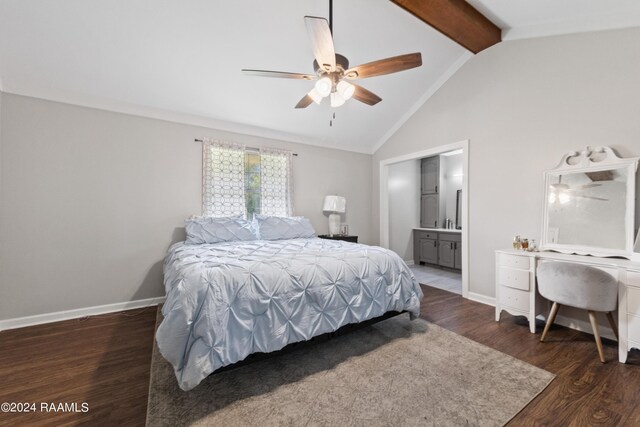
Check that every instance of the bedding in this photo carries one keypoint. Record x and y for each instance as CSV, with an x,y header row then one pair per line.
x,y
281,228
228,300
215,230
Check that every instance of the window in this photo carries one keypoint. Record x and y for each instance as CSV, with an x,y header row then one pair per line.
x,y
252,194
237,180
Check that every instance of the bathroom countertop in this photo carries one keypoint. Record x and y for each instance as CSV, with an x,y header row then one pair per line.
x,y
440,230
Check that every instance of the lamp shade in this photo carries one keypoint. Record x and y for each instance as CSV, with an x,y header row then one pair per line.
x,y
336,100
337,204
324,86
345,89
315,95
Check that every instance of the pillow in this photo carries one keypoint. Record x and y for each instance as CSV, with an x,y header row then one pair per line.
x,y
281,227
215,230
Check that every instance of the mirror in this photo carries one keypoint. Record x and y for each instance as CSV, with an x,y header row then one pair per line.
x,y
589,204
459,210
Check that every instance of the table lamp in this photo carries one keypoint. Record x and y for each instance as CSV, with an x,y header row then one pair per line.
x,y
334,206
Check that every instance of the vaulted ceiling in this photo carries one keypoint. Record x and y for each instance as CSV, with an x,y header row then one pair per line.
x,y
181,60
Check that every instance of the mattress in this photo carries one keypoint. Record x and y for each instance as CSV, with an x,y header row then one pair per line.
x,y
228,300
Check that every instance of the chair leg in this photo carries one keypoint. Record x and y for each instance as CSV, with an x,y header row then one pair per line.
x,y
613,325
596,334
550,319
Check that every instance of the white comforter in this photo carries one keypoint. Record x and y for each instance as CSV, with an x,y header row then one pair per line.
x,y
228,300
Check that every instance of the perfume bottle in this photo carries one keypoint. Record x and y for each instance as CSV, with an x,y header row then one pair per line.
x,y
525,244
517,244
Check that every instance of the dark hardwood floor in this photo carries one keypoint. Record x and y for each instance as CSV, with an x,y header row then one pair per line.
x,y
585,391
104,361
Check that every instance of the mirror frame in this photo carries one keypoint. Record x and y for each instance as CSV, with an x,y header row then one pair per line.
x,y
593,160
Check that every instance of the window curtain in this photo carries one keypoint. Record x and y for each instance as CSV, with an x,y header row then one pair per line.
x,y
222,178
276,182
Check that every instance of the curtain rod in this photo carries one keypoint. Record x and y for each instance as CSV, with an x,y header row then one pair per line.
x,y
247,148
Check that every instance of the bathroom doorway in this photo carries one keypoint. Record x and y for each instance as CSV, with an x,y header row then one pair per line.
x,y
424,214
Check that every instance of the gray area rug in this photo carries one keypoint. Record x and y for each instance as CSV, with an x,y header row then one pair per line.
x,y
395,372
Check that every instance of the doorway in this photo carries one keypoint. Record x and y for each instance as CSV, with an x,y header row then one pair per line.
x,y
400,215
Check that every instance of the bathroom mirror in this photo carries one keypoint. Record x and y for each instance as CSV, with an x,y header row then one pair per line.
x,y
589,204
459,210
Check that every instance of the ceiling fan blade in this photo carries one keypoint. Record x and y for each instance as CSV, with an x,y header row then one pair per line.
x,y
366,96
385,66
304,102
279,74
593,198
606,175
321,42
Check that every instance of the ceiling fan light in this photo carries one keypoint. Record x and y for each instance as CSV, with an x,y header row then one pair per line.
x,y
336,99
345,90
324,86
315,95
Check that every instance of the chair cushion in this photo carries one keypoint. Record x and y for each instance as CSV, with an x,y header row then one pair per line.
x,y
577,285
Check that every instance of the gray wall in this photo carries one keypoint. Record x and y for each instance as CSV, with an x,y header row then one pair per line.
x,y
523,104
91,200
1,98
404,206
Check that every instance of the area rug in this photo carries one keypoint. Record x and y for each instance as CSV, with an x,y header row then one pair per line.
x,y
395,372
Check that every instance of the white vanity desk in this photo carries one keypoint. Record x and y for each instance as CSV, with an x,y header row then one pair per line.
x,y
516,290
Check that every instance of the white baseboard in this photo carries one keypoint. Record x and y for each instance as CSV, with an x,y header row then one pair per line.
x,y
481,299
409,262
38,319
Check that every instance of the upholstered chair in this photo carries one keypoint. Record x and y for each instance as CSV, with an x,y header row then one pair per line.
x,y
579,286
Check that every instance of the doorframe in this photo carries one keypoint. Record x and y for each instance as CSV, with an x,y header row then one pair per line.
x,y
384,198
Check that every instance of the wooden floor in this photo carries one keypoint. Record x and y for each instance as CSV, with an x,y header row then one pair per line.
x,y
104,361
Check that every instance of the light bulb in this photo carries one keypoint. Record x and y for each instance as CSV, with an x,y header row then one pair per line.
x,y
345,89
315,95
564,197
324,86
336,99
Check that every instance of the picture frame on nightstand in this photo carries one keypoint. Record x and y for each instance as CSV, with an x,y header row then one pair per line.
x,y
344,229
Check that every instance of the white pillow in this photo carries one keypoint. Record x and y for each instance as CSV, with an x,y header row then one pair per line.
x,y
280,227
215,230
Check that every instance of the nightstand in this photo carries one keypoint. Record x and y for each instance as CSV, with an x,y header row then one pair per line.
x,y
352,239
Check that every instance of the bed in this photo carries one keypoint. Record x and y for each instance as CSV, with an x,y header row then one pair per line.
x,y
228,300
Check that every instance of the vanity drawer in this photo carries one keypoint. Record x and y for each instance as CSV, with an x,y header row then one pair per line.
x,y
514,298
633,300
633,278
450,237
514,278
426,234
633,328
514,261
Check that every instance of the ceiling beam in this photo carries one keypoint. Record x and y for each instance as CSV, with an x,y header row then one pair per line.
x,y
457,20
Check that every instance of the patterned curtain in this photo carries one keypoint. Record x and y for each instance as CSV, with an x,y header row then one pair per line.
x,y
222,178
276,182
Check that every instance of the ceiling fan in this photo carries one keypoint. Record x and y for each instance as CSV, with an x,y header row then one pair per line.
x,y
564,192
332,72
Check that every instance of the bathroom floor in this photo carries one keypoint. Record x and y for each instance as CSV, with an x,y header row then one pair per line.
x,y
438,278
